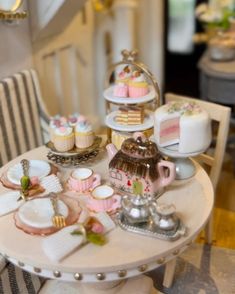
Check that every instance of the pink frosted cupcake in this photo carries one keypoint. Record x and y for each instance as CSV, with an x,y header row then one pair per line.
x,y
138,87
121,87
84,135
64,139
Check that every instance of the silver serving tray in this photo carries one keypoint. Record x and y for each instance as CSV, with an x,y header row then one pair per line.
x,y
150,229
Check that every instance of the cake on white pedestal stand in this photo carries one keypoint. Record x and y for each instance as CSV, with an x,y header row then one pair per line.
x,y
184,166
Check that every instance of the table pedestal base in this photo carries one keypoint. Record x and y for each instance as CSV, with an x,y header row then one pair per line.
x,y
137,285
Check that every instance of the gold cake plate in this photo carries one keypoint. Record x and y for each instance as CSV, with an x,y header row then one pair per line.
x,y
74,156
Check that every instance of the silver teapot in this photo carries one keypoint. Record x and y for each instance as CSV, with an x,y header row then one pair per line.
x,y
136,208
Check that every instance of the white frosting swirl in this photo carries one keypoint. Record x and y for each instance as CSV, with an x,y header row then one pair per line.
x,y
63,131
83,127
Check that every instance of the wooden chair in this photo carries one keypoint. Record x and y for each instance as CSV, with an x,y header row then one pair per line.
x,y
23,126
23,115
220,114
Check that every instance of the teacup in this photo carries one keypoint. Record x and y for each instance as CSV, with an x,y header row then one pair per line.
x,y
103,199
83,179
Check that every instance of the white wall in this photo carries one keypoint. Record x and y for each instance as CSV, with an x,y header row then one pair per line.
x,y
150,26
15,48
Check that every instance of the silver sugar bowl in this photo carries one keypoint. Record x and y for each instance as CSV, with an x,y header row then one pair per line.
x,y
163,216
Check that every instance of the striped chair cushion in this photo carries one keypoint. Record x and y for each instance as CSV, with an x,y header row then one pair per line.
x,y
14,280
23,115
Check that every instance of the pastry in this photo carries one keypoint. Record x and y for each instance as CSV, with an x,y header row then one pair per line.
x,y
138,86
53,124
84,135
130,115
121,84
64,138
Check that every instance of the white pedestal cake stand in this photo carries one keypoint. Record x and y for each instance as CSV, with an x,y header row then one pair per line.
x,y
184,166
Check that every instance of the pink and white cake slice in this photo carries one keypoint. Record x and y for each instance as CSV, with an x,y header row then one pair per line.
x,y
188,125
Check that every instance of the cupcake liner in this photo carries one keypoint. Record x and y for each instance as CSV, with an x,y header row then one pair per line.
x,y
120,91
135,92
64,143
84,140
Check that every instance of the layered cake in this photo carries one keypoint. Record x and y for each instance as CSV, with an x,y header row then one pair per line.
x,y
130,115
184,123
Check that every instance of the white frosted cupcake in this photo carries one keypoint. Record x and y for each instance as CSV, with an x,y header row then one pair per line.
x,y
84,135
64,139
53,125
73,119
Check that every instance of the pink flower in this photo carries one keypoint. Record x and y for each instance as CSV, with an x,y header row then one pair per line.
x,y
97,228
34,181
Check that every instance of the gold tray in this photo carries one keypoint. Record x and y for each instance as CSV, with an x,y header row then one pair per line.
x,y
75,150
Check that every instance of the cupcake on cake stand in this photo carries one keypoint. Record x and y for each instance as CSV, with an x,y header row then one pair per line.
x,y
131,95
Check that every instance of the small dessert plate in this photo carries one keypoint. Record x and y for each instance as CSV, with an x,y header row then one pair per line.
x,y
37,168
38,212
74,211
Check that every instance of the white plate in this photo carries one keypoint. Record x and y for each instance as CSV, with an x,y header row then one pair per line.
x,y
38,168
147,124
173,150
108,95
38,213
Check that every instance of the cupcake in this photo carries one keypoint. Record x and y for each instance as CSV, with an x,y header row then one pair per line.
x,y
73,119
53,125
138,87
121,87
64,138
84,135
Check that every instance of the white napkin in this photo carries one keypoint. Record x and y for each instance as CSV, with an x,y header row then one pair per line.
x,y
62,243
8,202
51,184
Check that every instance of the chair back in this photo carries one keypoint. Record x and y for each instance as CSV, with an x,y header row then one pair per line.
x,y
220,114
23,115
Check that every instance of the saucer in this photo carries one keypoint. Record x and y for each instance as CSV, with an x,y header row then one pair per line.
x,y
37,168
116,205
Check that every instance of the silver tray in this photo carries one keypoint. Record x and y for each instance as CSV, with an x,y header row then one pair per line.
x,y
150,229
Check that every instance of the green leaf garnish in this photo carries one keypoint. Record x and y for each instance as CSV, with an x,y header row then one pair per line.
x,y
96,239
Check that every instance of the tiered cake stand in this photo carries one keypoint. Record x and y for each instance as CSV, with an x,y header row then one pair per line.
x,y
149,102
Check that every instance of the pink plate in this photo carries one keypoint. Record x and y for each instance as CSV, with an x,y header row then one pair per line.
x,y
74,213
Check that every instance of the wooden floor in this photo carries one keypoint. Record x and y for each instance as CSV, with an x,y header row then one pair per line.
x,y
224,212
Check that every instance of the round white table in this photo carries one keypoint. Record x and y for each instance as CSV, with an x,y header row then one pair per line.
x,y
126,254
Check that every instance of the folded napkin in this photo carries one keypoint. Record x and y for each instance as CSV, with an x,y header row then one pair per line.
x,y
62,243
51,184
8,202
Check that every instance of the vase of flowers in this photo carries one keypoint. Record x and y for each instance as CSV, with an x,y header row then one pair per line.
x,y
216,16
